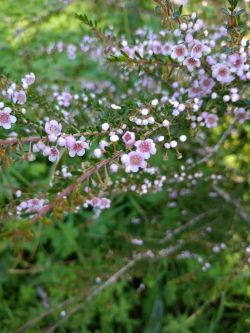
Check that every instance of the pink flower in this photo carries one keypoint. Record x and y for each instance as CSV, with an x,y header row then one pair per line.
x,y
19,97
191,63
70,141
6,119
95,202
105,203
207,84
34,205
133,161
241,115
222,73
194,90
29,79
156,47
179,52
78,148
53,129
166,49
236,62
129,138
211,120
53,154
65,99
146,147
197,50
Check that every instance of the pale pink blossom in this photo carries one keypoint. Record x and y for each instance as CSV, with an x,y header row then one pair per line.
x,y
70,140
29,79
78,148
19,97
207,84
156,47
105,203
6,119
179,52
129,138
236,62
195,90
53,154
35,204
197,50
53,129
241,115
166,49
146,147
211,120
222,73
133,161
191,63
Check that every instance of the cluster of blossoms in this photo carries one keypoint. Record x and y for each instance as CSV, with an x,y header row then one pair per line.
x,y
192,82
98,203
137,159
31,206
76,147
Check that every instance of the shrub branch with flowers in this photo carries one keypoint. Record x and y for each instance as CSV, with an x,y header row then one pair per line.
x,y
182,93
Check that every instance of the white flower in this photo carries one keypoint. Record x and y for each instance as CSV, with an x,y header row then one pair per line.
x,y
114,167
105,126
97,153
173,144
154,102
114,138
183,138
115,107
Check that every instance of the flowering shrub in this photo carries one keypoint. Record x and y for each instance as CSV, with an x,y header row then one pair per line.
x,y
154,127
206,84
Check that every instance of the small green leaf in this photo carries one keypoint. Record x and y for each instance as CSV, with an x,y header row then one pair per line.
x,y
224,11
241,11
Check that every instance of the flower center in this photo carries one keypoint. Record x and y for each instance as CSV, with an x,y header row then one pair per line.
x,y
145,147
77,146
4,118
135,160
179,51
223,72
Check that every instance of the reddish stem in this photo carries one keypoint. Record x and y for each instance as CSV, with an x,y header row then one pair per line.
x,y
72,186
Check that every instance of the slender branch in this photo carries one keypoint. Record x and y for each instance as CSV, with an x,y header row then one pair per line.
x,y
114,278
171,234
72,186
215,149
30,139
240,210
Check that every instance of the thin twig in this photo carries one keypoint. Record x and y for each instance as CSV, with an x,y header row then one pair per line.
x,y
215,149
71,187
240,210
171,234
